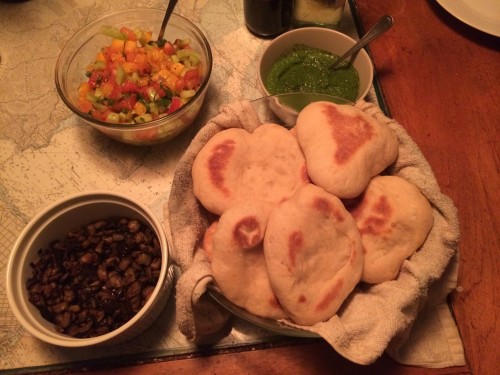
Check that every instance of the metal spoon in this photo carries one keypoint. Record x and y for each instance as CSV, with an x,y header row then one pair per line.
x,y
382,25
170,9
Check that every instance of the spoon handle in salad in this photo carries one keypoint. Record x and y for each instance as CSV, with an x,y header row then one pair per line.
x,y
170,9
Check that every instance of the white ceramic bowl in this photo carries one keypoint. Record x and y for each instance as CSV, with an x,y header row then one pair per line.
x,y
81,49
54,222
329,40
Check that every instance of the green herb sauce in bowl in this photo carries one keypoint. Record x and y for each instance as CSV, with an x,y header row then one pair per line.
x,y
307,69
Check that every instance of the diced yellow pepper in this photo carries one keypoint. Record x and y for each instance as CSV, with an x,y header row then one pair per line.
x,y
171,82
177,69
129,46
117,45
139,108
83,89
143,81
100,57
129,67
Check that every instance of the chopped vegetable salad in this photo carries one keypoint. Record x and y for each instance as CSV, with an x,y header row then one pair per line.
x,y
136,79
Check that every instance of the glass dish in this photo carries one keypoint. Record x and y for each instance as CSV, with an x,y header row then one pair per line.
x,y
84,45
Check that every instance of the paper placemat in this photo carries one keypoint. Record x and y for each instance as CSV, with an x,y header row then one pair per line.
x,y
47,154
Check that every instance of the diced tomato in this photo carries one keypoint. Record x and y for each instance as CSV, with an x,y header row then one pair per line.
x,y
176,104
127,103
99,115
85,105
128,86
192,78
129,33
95,79
180,84
116,93
169,48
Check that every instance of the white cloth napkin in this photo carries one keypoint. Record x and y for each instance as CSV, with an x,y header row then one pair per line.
x,y
408,317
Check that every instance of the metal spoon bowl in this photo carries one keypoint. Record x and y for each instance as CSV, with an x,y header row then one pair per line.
x,y
382,25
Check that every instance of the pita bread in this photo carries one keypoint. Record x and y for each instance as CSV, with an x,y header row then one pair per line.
x,y
236,165
394,219
313,253
344,147
238,263
208,237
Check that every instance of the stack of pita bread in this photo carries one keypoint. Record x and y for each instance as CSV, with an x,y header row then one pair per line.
x,y
302,216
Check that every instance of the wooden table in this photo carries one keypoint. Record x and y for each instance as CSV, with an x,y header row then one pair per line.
x,y
440,79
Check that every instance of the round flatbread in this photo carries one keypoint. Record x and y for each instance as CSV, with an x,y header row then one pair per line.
x,y
238,263
344,147
394,219
313,253
236,165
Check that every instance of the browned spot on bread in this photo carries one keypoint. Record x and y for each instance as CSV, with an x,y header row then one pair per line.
x,y
247,232
349,133
330,296
217,163
322,205
295,242
375,223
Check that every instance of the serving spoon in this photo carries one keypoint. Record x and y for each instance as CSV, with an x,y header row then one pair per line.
x,y
170,9
382,25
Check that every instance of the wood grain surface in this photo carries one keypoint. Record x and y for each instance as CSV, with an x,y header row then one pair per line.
x,y
440,79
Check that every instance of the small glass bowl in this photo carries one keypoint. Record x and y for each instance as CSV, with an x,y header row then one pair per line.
x,y
82,48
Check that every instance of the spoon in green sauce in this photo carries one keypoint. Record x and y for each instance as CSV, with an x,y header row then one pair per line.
x,y
382,25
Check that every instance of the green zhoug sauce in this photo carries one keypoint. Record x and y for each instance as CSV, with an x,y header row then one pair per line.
x,y
306,69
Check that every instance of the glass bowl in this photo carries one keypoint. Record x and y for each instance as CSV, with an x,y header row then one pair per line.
x,y
82,48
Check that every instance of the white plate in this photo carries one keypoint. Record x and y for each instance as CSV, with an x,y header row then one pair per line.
x,y
483,15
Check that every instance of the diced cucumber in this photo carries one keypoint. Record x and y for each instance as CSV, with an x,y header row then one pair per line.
x,y
186,94
143,118
151,94
99,65
120,75
188,54
113,118
91,97
112,32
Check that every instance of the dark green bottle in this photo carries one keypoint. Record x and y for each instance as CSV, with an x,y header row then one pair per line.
x,y
267,18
